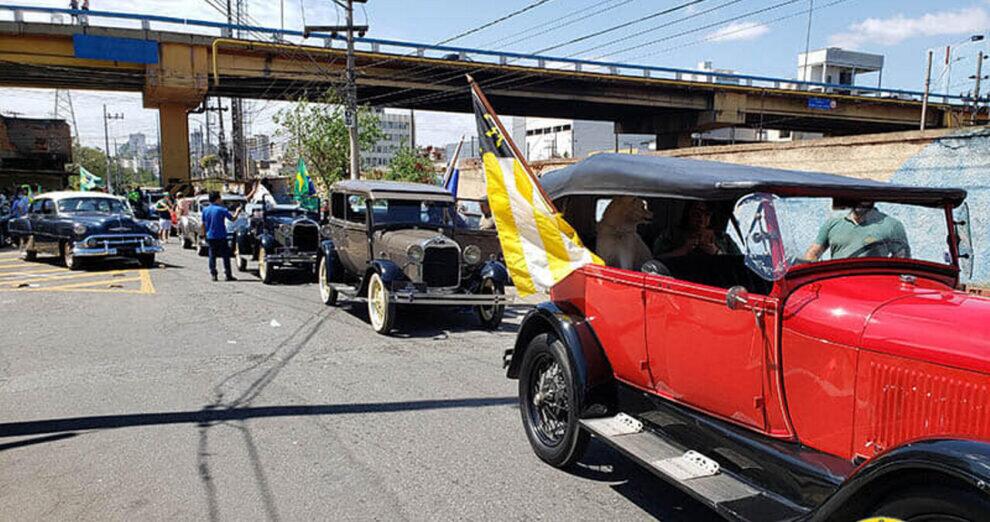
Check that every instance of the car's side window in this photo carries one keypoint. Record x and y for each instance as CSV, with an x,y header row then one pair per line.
x,y
36,206
356,209
337,203
48,207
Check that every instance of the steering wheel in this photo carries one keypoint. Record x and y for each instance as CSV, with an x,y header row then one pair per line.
x,y
655,267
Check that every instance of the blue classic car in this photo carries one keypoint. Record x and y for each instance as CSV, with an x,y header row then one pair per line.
x,y
278,235
84,225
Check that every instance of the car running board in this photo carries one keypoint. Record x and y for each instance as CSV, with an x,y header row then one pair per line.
x,y
348,291
696,474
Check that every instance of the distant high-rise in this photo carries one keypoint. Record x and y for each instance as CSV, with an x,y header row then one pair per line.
x,y
396,133
137,144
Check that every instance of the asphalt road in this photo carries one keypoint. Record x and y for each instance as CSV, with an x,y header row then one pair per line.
x,y
192,400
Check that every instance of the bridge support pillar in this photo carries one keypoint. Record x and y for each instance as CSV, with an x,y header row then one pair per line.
x,y
674,140
174,129
175,85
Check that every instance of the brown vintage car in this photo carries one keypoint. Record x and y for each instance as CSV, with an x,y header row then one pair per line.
x,y
392,243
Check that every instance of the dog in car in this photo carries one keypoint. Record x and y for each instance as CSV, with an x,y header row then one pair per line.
x,y
618,243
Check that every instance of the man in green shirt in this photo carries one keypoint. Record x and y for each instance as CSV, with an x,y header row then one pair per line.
x,y
864,232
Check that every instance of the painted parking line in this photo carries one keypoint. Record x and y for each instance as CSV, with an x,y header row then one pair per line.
x,y
74,275
29,276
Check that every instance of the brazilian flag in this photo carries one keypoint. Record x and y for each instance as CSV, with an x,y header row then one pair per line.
x,y
87,180
303,189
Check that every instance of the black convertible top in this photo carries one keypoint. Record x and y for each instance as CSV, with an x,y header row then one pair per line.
x,y
658,176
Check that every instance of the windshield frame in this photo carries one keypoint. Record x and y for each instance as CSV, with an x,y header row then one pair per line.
x,y
951,268
373,224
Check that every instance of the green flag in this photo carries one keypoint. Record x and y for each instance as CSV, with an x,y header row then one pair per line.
x,y
88,180
303,185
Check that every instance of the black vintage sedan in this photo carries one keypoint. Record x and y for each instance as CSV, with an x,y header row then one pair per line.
x,y
277,236
84,225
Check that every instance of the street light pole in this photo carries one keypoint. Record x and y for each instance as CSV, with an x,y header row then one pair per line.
x,y
350,96
928,84
106,143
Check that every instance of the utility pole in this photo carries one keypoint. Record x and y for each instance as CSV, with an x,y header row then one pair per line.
x,y
350,110
928,84
976,88
807,41
106,143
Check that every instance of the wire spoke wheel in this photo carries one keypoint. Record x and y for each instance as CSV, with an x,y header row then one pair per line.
x,y
548,406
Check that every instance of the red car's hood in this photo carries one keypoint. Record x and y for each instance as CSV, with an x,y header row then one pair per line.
x,y
946,327
923,319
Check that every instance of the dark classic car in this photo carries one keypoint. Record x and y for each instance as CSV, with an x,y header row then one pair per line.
x,y
84,225
278,235
798,350
191,223
392,244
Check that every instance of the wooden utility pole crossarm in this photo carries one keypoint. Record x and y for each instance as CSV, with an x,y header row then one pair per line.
x,y
350,111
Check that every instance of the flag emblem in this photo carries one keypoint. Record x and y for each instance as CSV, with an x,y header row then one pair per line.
x,y
539,246
87,180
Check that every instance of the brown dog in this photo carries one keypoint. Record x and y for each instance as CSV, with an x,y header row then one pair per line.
x,y
618,243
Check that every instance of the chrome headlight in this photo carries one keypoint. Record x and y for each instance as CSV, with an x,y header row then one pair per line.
x,y
285,229
79,229
472,255
415,253
154,227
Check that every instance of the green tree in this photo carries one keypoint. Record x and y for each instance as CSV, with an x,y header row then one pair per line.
x,y
208,163
408,165
316,131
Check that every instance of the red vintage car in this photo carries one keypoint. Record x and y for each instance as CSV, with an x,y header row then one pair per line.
x,y
796,347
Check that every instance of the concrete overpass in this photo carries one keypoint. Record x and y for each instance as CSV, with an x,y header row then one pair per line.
x,y
175,71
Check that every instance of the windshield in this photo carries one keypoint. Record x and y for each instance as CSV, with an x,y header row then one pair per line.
x,y
411,212
103,205
779,233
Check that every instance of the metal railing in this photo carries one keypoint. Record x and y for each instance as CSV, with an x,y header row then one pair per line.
x,y
400,48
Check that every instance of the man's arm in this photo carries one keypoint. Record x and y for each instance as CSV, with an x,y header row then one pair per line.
x,y
814,252
817,249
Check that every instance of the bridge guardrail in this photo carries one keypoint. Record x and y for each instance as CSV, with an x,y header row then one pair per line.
x,y
376,45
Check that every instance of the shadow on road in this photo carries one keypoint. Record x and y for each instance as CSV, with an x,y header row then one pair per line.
x,y
434,322
602,463
208,416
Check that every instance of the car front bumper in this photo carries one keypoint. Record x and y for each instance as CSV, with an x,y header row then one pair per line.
x,y
116,246
291,258
436,298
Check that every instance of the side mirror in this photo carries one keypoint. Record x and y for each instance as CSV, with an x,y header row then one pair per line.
x,y
736,298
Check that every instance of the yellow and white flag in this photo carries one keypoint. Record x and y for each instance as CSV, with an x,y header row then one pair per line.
x,y
540,248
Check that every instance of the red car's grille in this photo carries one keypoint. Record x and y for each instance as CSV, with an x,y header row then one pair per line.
x,y
907,404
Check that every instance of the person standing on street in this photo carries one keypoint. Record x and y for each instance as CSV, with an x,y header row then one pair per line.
x,y
164,208
214,227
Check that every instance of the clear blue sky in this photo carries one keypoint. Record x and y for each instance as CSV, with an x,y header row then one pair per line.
x,y
902,30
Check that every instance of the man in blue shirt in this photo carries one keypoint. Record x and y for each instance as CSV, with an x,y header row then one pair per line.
x,y
19,208
214,227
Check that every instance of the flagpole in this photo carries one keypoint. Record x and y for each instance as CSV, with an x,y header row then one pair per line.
x,y
452,164
515,150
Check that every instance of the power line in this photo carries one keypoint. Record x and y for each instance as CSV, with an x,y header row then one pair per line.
x,y
621,26
542,29
657,28
496,21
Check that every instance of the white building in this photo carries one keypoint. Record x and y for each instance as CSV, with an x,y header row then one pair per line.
x,y
397,130
548,138
838,66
